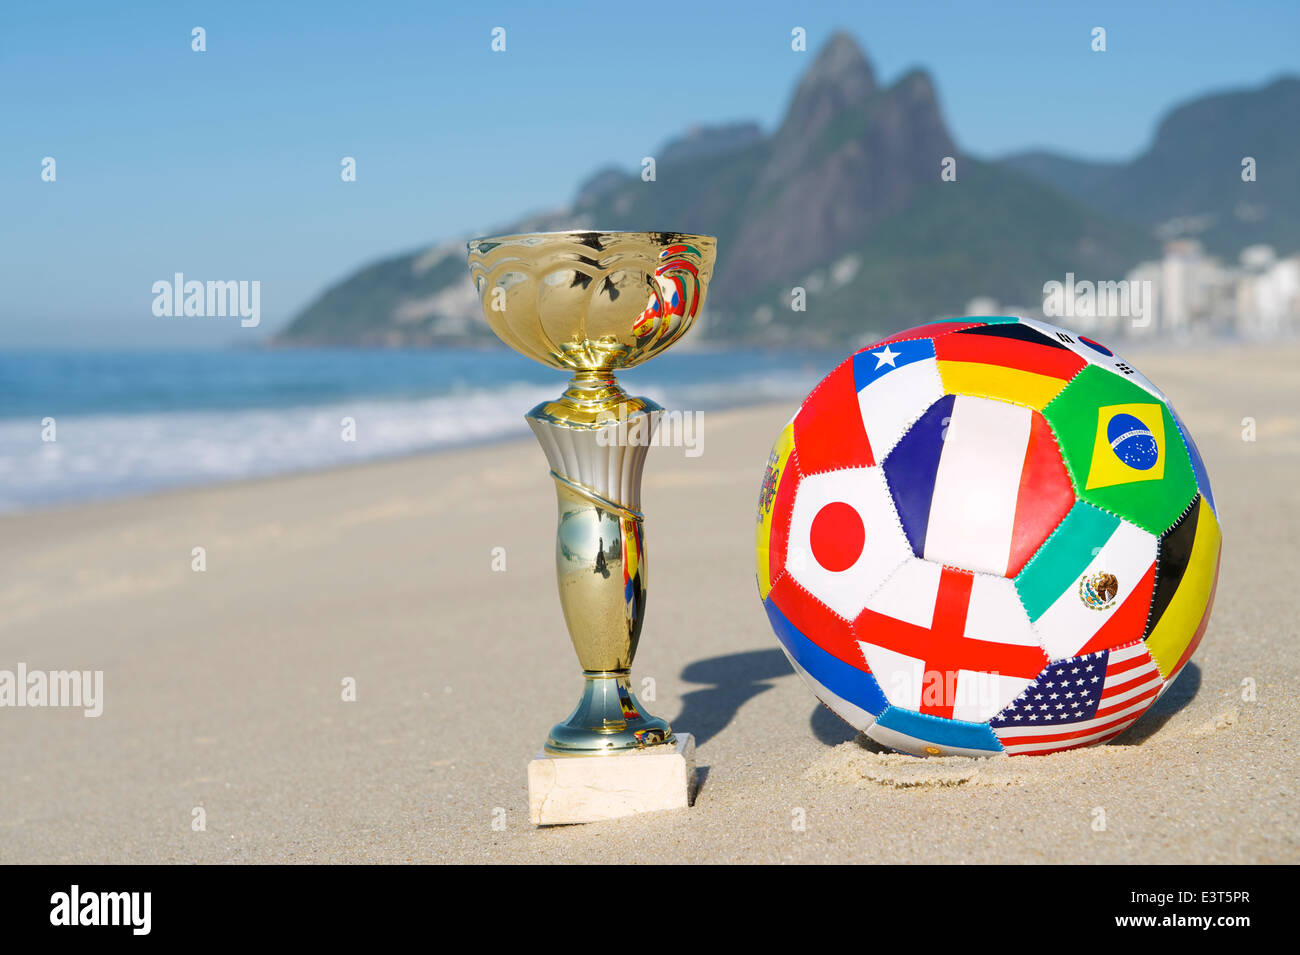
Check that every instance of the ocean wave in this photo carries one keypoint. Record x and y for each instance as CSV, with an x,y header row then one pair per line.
x,y
109,455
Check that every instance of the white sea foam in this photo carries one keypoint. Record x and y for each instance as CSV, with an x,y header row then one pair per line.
x,y
107,455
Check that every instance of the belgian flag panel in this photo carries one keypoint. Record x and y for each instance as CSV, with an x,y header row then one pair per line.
x,y
1186,576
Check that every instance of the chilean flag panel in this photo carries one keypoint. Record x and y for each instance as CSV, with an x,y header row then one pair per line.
x,y
896,383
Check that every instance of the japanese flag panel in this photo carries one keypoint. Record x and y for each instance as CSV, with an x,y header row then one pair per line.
x,y
1095,353
949,643
845,538
978,484
1089,588
895,384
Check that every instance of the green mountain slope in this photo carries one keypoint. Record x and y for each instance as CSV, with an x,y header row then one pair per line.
x,y
1189,181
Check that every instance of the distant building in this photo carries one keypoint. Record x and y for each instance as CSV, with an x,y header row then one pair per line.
x,y
1194,294
1268,294
1186,294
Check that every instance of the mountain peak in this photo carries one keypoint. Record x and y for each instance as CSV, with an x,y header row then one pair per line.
x,y
839,76
842,61
839,79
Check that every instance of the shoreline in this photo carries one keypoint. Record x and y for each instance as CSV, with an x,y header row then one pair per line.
x,y
525,438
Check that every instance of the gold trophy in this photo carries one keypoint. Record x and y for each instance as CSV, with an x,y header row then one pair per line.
x,y
591,303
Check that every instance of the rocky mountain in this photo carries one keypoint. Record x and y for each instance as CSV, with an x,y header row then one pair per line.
x,y
1189,181
845,200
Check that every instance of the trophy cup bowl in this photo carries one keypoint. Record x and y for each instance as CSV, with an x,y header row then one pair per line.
x,y
590,303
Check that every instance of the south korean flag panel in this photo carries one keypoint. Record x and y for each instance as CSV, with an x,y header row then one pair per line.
x,y
1095,353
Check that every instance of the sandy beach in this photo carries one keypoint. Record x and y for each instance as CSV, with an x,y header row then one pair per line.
x,y
223,689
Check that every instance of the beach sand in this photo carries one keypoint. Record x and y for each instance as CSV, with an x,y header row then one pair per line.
x,y
223,688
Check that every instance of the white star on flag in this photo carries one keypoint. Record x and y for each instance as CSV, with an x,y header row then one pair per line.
x,y
885,357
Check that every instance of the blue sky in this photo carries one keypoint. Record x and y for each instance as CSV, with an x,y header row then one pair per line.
x,y
225,164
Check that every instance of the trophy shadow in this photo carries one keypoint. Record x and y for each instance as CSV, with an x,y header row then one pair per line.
x,y
732,681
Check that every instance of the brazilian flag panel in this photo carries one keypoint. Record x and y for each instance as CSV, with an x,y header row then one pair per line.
x,y
1123,449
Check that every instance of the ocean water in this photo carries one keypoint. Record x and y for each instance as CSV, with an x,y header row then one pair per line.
x,y
131,422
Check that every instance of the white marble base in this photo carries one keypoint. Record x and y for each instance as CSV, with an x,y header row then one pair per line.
x,y
571,789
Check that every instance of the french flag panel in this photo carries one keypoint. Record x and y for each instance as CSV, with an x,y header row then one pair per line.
x,y
979,484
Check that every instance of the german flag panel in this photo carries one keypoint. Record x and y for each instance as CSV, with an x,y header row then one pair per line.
x,y
1010,362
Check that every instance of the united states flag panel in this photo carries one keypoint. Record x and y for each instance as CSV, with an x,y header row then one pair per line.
x,y
1083,700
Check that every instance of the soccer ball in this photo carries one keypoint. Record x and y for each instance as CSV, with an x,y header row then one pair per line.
x,y
987,535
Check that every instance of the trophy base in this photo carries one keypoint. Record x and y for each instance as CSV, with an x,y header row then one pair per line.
x,y
608,720
565,790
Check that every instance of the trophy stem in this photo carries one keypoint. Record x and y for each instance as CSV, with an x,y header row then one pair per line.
x,y
596,438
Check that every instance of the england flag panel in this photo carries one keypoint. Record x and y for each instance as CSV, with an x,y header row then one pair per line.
x,y
948,643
